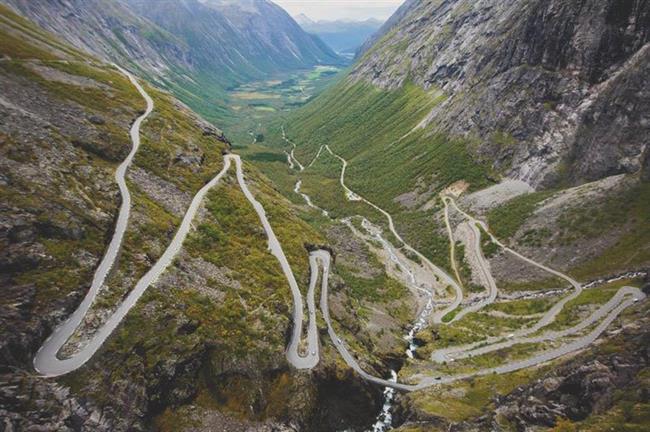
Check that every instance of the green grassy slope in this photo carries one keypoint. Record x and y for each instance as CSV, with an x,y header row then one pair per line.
x,y
618,216
376,131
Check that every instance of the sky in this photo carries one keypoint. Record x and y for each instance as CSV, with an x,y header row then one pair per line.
x,y
341,9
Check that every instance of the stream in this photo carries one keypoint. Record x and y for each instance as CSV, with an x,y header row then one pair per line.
x,y
628,275
384,420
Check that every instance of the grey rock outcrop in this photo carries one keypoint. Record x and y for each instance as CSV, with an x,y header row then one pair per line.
x,y
49,407
577,389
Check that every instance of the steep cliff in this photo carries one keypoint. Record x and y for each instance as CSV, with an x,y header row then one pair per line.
x,y
565,82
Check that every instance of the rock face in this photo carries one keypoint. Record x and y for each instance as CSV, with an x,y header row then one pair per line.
x,y
646,166
50,407
554,90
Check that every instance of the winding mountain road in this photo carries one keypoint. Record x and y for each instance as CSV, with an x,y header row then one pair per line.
x,y
602,312
47,363
322,259
352,196
292,155
307,199
605,315
623,299
484,268
293,351
320,150
439,316
517,336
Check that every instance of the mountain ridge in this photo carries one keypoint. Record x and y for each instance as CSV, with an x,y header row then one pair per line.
x,y
569,68
344,36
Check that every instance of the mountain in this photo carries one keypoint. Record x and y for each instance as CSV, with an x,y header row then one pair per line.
x,y
481,64
342,36
246,39
110,30
303,20
481,93
401,12
212,328
532,116
453,236
484,58
194,48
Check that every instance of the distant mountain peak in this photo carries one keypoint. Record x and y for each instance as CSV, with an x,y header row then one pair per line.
x,y
342,35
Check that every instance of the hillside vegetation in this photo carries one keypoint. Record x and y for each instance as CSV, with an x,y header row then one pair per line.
x,y
503,150
212,331
392,161
196,49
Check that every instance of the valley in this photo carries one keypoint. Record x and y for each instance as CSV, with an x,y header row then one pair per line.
x,y
210,222
259,102
47,363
